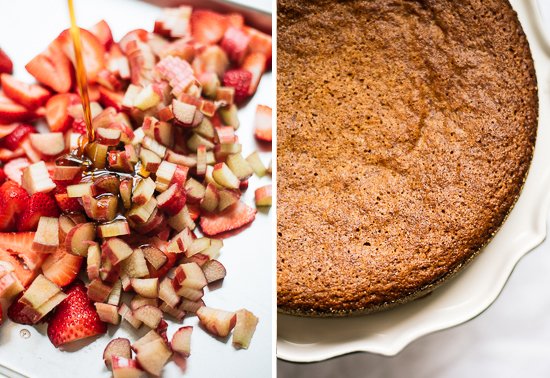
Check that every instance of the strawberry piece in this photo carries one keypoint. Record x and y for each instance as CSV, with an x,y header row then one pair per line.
x,y
79,126
68,204
40,205
14,195
262,123
52,68
208,27
255,64
109,98
235,20
29,95
14,139
6,130
103,33
17,249
235,43
6,65
2,176
259,43
194,210
62,267
7,219
7,155
57,115
11,111
14,169
93,93
16,313
75,318
231,218
240,80
93,52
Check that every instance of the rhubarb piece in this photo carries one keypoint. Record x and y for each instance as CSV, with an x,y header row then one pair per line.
x,y
244,329
184,113
77,240
198,245
10,286
176,313
154,256
181,242
229,116
211,198
181,341
255,63
149,315
46,237
135,266
127,315
262,196
197,258
116,228
187,161
149,160
116,292
146,287
106,184
153,355
98,154
189,275
98,291
217,322
80,190
36,179
146,98
108,137
165,174
144,191
153,145
195,190
227,198
139,301
231,218
174,22
141,213
225,177
181,220
191,306
66,173
126,368
256,163
167,293
213,271
172,200
93,261
119,347
262,123
107,313
125,190
116,250
239,166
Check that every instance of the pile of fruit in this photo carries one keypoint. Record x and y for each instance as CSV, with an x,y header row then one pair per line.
x,y
121,211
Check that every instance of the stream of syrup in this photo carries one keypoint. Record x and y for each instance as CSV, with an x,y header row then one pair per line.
x,y
81,79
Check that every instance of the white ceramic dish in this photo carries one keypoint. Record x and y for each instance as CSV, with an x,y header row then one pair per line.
x,y
26,27
470,292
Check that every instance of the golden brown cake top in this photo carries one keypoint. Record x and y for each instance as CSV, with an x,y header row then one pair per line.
x,y
405,131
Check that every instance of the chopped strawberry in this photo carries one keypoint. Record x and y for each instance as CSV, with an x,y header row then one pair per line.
x,y
62,267
75,318
31,96
7,218
93,52
57,115
235,43
208,27
79,126
6,65
262,123
6,130
93,93
255,64
40,205
2,176
17,249
194,210
16,313
231,218
11,111
13,194
110,98
259,43
240,80
52,68
235,20
13,140
14,169
103,33
68,204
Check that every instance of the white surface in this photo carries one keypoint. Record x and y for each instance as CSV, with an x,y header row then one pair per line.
x,y
468,294
26,27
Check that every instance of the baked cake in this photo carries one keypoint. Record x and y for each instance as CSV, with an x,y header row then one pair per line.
x,y
405,133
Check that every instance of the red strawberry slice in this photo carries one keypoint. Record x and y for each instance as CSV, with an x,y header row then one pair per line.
x,y
235,20
262,123
52,68
13,140
40,205
103,33
16,313
255,64
240,80
62,267
79,126
231,218
110,98
29,95
208,27
6,65
57,115
14,195
14,169
235,43
6,130
75,318
11,111
68,204
7,218
17,249
93,52
2,176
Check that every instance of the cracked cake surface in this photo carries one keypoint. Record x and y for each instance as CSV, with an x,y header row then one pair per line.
x,y
405,133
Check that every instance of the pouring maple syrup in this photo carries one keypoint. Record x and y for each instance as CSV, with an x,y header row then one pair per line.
x,y
81,79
